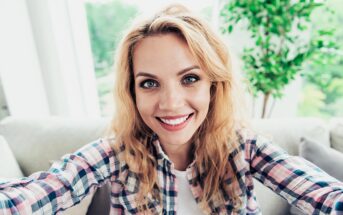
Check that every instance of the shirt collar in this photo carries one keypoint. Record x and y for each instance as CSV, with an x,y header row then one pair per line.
x,y
162,156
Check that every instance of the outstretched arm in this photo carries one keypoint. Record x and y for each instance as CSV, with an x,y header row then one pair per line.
x,y
300,182
65,184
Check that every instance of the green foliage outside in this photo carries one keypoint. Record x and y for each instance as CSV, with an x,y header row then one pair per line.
x,y
324,74
281,41
106,22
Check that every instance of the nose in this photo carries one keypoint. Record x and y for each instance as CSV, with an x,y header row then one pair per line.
x,y
171,98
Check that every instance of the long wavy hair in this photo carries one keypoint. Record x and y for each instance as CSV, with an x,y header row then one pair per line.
x,y
215,139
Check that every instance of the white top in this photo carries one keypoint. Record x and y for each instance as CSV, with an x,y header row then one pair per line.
x,y
186,203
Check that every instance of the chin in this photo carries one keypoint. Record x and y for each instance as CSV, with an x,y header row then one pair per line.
x,y
173,140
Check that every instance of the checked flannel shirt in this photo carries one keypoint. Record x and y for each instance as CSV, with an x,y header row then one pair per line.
x,y
68,181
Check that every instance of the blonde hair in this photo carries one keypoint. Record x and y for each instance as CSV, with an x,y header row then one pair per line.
x,y
215,139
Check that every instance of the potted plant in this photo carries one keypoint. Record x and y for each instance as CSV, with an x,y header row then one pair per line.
x,y
282,41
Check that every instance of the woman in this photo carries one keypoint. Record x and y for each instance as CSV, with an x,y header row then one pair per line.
x,y
179,147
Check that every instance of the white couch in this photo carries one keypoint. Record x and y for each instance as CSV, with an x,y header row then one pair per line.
x,y
35,143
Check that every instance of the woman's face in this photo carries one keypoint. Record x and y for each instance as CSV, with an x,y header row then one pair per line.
x,y
172,92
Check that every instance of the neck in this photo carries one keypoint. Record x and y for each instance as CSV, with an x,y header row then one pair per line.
x,y
180,155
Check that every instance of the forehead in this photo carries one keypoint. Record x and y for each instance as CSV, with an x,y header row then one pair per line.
x,y
163,52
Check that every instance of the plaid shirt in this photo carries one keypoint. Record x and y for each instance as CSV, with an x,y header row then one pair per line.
x,y
76,175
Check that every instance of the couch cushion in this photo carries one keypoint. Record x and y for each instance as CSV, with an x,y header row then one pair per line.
x,y
324,157
47,139
9,167
270,202
336,133
287,132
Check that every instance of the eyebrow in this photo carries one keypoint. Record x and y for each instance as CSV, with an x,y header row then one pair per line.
x,y
145,74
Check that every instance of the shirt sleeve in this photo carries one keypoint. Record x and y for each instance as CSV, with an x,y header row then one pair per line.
x,y
297,180
65,184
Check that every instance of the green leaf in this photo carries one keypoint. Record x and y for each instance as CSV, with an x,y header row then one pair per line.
x,y
279,52
230,28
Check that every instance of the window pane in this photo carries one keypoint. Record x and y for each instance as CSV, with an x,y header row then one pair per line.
x,y
106,22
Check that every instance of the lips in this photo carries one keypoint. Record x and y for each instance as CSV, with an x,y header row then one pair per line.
x,y
174,123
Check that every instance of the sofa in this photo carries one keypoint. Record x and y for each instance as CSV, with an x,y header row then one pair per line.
x,y
33,144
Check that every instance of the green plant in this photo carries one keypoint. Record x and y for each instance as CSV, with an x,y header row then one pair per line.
x,y
282,42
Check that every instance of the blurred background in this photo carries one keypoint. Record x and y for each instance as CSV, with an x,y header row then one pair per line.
x,y
56,56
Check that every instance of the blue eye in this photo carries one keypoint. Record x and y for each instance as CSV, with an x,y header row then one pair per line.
x,y
190,79
148,84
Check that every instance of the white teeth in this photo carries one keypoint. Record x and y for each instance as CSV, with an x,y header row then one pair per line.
x,y
174,121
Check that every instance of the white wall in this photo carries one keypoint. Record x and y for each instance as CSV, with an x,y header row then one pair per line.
x,y
45,59
3,104
19,64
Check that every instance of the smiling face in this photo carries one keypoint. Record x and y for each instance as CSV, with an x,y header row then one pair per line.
x,y
172,92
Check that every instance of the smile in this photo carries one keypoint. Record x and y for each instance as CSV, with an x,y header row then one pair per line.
x,y
174,123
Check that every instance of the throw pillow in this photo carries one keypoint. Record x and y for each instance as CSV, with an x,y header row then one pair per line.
x,y
336,133
9,167
324,157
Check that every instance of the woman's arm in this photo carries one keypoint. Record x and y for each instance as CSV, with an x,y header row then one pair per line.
x,y
298,181
65,184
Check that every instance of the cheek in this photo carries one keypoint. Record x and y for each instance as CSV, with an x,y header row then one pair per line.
x,y
140,104
144,105
201,98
